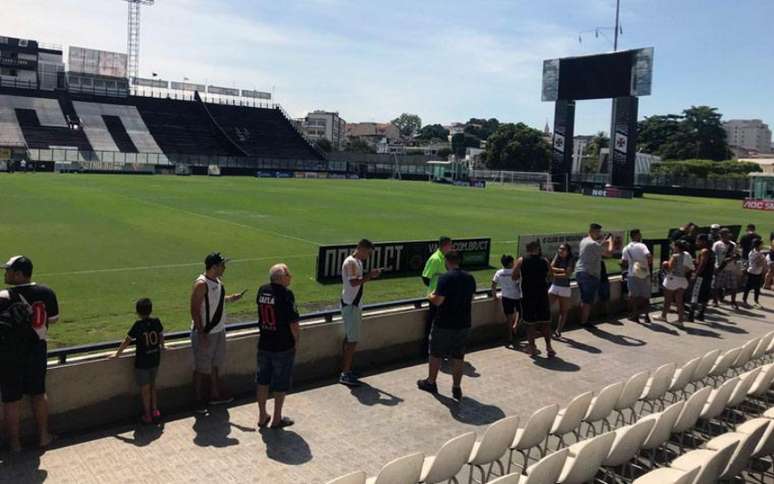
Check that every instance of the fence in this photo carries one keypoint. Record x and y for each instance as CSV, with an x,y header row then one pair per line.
x,y
645,180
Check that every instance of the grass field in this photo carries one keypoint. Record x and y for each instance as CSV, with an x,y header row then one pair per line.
x,y
102,241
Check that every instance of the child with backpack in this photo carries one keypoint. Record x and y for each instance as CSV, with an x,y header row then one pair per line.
x,y
148,335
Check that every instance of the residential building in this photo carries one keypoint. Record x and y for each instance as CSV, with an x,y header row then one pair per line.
x,y
766,164
328,125
750,134
373,133
28,63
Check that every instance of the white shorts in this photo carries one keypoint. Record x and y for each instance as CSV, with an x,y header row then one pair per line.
x,y
561,291
674,283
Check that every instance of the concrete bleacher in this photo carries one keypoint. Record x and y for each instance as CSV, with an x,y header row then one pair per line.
x,y
93,122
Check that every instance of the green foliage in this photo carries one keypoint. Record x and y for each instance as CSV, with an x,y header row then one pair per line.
x,y
460,141
433,131
517,147
444,153
696,134
481,128
324,144
408,124
704,168
358,145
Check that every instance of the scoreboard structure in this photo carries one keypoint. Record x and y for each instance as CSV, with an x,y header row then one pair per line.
x,y
622,76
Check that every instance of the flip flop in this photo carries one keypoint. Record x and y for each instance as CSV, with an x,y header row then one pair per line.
x,y
264,423
285,422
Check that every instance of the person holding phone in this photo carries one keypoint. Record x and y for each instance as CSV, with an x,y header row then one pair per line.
x,y
588,270
208,330
352,281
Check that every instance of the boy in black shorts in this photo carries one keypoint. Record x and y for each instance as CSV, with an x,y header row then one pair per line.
x,y
148,335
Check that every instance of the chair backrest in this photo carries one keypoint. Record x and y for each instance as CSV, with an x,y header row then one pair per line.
x,y
684,375
357,477
725,361
628,441
710,472
665,422
659,382
496,440
658,475
604,402
741,456
688,477
705,365
537,428
718,399
770,348
513,478
740,392
573,414
765,445
403,469
632,390
589,455
763,344
548,468
691,410
451,457
744,356
763,381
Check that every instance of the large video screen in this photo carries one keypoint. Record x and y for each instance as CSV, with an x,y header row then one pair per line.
x,y
602,76
97,62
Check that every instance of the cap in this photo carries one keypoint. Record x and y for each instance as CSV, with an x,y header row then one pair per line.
x,y
214,259
19,263
715,226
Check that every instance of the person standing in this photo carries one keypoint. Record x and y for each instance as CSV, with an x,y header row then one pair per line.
x,y
678,268
746,241
533,270
33,307
726,270
589,268
208,330
510,297
702,278
714,234
280,331
449,334
636,259
770,263
562,267
434,268
352,282
755,266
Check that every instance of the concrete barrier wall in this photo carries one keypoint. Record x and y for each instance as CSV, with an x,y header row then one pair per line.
x,y
102,391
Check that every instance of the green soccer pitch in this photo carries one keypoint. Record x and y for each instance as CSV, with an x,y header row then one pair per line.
x,y
103,241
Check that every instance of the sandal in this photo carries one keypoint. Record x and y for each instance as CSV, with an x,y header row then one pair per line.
x,y
551,353
264,423
285,422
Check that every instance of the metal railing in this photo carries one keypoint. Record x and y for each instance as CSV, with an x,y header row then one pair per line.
x,y
741,184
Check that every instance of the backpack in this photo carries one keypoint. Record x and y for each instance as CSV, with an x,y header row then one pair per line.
x,y
16,332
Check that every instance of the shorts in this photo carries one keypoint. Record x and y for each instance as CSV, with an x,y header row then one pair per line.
x,y
726,279
588,286
448,343
560,291
212,356
353,317
27,378
146,376
511,306
673,283
638,287
275,369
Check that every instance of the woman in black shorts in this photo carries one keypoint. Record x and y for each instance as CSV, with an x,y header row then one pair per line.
x,y
533,271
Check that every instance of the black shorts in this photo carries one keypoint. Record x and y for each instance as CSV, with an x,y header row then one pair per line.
x,y
448,343
275,369
511,306
28,377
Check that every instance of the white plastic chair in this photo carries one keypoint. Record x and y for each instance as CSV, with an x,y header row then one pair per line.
x,y
626,446
662,429
682,378
719,371
762,384
744,356
760,349
403,469
585,458
703,368
629,396
770,350
711,463
716,403
765,446
357,477
744,451
601,407
569,419
769,413
514,478
657,386
492,446
667,475
689,415
739,395
546,469
532,434
449,460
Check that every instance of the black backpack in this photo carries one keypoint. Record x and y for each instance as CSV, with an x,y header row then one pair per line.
x,y
16,332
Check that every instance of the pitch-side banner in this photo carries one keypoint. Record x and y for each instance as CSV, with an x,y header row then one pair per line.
x,y
755,204
549,243
399,259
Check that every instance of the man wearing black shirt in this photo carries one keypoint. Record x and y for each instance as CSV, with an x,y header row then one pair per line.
x,y
746,241
28,377
278,320
453,296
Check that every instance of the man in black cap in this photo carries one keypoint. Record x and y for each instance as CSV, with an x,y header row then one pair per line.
x,y
26,310
208,329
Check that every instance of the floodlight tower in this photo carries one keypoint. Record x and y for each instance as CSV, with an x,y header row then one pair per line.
x,y
133,35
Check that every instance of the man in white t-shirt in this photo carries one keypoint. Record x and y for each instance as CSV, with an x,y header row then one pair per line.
x,y
727,273
352,281
636,259
510,295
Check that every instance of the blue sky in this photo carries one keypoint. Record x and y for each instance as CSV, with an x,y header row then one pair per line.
x,y
446,60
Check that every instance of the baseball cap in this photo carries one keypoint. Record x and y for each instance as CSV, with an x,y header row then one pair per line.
x,y
19,263
715,226
214,259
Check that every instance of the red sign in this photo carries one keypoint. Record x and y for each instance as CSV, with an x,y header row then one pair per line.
x,y
758,204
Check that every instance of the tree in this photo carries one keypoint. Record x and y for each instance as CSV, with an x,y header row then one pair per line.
x,y
358,145
655,132
408,124
444,153
696,133
433,131
705,168
481,128
461,141
517,147
324,144
703,127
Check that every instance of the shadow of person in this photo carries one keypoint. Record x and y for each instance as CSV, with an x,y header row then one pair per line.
x,y
370,395
725,327
555,363
615,338
212,429
470,411
701,332
143,435
467,369
577,345
22,467
285,446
